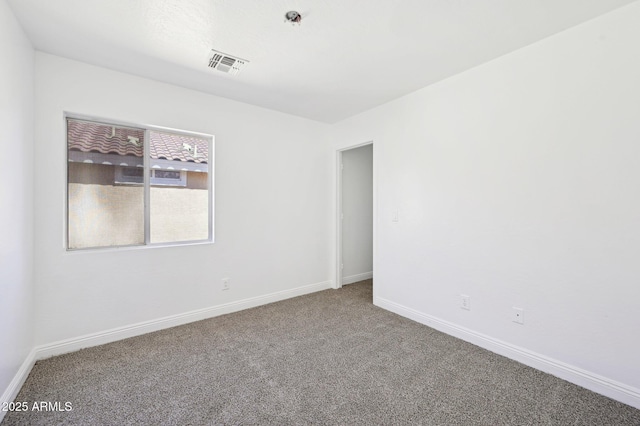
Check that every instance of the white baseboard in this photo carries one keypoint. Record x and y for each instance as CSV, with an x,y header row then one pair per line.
x,y
356,278
95,339
100,338
18,380
594,382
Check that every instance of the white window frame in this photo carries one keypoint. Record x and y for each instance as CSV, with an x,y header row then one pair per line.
x,y
147,181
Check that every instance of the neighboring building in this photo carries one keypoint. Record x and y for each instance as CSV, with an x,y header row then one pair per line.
x,y
105,176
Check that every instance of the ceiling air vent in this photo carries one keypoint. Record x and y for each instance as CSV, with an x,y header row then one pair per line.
x,y
226,63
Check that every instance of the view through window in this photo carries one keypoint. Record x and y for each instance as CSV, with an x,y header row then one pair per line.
x,y
107,189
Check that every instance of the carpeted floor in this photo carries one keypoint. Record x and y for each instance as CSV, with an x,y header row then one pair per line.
x,y
326,358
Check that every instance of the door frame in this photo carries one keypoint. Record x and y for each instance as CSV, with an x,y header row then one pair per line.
x,y
339,214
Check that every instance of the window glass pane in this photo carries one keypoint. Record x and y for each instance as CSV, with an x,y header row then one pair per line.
x,y
179,194
105,191
167,174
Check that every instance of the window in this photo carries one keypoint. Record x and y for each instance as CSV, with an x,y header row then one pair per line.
x,y
136,186
135,175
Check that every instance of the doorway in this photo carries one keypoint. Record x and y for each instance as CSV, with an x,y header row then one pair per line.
x,y
355,214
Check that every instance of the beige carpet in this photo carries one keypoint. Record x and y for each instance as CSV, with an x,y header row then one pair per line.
x,y
326,358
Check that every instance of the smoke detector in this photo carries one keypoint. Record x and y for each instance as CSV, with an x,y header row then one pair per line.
x,y
226,63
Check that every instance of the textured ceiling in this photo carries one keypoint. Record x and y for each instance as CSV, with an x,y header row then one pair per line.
x,y
344,58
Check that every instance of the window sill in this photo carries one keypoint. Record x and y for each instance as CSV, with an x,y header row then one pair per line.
x,y
137,247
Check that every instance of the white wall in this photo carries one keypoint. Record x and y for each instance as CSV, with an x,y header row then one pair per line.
x,y
518,184
357,207
16,198
272,226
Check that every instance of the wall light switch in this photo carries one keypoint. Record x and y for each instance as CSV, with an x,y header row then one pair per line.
x,y
465,302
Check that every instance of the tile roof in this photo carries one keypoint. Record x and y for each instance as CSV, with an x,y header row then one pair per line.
x,y
85,136
169,146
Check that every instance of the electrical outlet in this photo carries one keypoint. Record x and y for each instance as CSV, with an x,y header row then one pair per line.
x,y
225,284
518,315
465,302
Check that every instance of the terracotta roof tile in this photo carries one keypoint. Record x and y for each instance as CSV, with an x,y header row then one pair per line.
x,y
87,136
93,137
168,146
